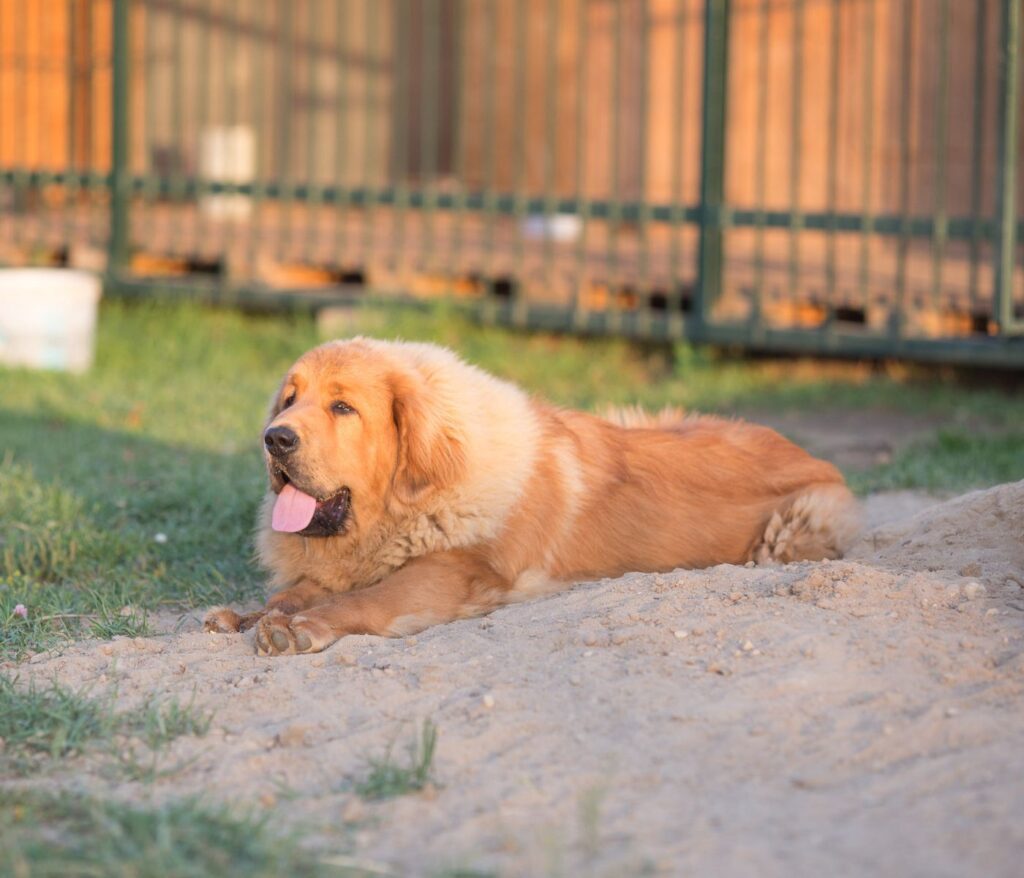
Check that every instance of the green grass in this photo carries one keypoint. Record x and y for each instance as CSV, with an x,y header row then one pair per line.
x,y
387,777
161,438
73,837
48,723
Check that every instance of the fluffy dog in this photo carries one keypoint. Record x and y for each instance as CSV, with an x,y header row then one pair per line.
x,y
409,488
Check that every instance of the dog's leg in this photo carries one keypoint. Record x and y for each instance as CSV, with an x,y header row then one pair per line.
x,y
224,620
815,523
427,591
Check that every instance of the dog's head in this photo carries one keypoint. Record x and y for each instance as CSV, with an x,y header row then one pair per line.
x,y
355,430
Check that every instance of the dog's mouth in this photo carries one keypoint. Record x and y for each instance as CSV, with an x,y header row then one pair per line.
x,y
298,512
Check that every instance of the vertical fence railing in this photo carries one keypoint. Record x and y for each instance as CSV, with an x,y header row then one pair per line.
x,y
1006,191
121,183
712,190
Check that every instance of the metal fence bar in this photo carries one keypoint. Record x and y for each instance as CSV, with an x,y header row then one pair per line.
x,y
120,234
581,278
370,8
675,296
644,266
460,67
899,315
867,152
832,159
490,90
341,213
550,138
430,51
796,148
760,157
314,201
256,193
712,196
614,194
977,145
520,308
941,148
1006,189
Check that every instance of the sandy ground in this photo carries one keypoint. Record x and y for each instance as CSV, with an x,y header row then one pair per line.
x,y
858,717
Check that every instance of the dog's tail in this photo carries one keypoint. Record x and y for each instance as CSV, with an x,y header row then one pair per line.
x,y
634,416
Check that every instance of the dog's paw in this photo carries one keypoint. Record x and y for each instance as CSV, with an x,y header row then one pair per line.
x,y
222,620
279,634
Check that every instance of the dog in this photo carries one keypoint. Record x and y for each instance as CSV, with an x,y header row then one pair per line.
x,y
409,488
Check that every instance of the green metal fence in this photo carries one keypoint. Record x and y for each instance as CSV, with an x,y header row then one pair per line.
x,y
830,176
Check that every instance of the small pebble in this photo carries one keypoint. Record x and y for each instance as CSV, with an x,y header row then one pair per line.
x,y
268,800
574,680
160,538
748,646
974,590
952,711
318,662
488,701
681,635
991,611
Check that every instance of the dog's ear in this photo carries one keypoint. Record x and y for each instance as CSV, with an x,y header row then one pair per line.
x,y
430,455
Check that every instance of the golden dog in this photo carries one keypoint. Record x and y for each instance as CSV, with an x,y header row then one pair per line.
x,y
409,488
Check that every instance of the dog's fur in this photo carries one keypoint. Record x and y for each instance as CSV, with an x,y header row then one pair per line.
x,y
466,494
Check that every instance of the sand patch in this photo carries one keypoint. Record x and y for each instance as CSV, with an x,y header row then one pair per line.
x,y
862,716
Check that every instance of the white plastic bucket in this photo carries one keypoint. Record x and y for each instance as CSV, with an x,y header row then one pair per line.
x,y
48,318
227,154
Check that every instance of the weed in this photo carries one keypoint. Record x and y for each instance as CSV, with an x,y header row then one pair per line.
x,y
69,836
36,723
387,778
52,722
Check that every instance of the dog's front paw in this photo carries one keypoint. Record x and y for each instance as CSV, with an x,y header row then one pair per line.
x,y
222,620
279,634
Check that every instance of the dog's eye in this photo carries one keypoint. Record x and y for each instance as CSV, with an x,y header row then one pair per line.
x,y
342,408
289,401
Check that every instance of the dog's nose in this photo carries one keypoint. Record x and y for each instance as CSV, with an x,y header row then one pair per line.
x,y
280,441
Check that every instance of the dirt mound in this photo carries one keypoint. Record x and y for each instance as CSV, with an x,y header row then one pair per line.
x,y
853,717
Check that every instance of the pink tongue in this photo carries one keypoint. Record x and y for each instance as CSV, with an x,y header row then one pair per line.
x,y
293,510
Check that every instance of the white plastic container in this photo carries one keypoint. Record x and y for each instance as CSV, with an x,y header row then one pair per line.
x,y
48,318
227,154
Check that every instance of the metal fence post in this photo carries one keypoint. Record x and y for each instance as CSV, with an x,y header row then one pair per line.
x,y
120,173
1006,179
712,182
